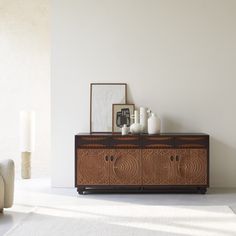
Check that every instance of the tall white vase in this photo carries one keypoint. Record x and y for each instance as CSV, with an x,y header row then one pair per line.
x,y
143,118
154,124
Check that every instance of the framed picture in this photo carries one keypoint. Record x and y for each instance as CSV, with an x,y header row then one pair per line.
x,y
121,114
102,96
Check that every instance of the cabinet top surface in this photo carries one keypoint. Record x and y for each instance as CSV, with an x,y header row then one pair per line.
x,y
161,134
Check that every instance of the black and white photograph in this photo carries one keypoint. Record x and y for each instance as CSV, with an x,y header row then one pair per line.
x,y
121,115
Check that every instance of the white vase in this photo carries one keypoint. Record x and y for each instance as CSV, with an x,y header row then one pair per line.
x,y
154,124
143,118
136,127
124,130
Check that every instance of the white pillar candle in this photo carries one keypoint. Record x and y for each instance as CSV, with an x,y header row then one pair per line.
x,y
143,118
136,117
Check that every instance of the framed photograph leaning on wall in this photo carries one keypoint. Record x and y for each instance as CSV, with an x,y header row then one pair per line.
x,y
121,114
102,96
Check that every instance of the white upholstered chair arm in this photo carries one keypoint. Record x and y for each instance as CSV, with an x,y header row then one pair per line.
x,y
7,172
1,194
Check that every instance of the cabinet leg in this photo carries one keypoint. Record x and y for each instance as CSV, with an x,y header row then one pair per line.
x,y
80,191
202,190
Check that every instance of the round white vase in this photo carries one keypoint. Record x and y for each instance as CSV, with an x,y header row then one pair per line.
x,y
136,127
154,124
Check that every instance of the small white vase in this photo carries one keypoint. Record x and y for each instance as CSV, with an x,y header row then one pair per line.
x,y
154,124
136,128
124,130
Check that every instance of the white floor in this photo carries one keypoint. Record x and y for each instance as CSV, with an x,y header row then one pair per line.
x,y
37,192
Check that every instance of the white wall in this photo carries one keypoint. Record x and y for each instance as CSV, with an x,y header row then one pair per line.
x,y
25,78
177,56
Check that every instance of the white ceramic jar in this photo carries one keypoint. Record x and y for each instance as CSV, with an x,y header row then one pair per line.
x,y
154,124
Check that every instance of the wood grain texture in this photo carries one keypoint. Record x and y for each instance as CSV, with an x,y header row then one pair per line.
x,y
92,167
125,168
157,142
191,142
125,141
92,141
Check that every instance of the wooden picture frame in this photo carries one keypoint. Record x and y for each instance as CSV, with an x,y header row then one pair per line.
x,y
121,114
102,96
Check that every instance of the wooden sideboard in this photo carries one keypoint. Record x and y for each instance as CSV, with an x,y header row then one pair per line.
x,y
175,162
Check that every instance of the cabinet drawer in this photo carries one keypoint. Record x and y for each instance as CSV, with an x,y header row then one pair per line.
x,y
192,142
157,142
92,141
125,141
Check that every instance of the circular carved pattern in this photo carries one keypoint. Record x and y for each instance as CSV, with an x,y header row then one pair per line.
x,y
194,168
189,169
126,167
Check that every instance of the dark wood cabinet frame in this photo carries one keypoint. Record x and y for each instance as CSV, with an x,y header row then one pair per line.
x,y
168,142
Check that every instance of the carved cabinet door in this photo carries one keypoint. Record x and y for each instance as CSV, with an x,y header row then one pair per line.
x,y
159,167
174,166
93,166
194,167
125,167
